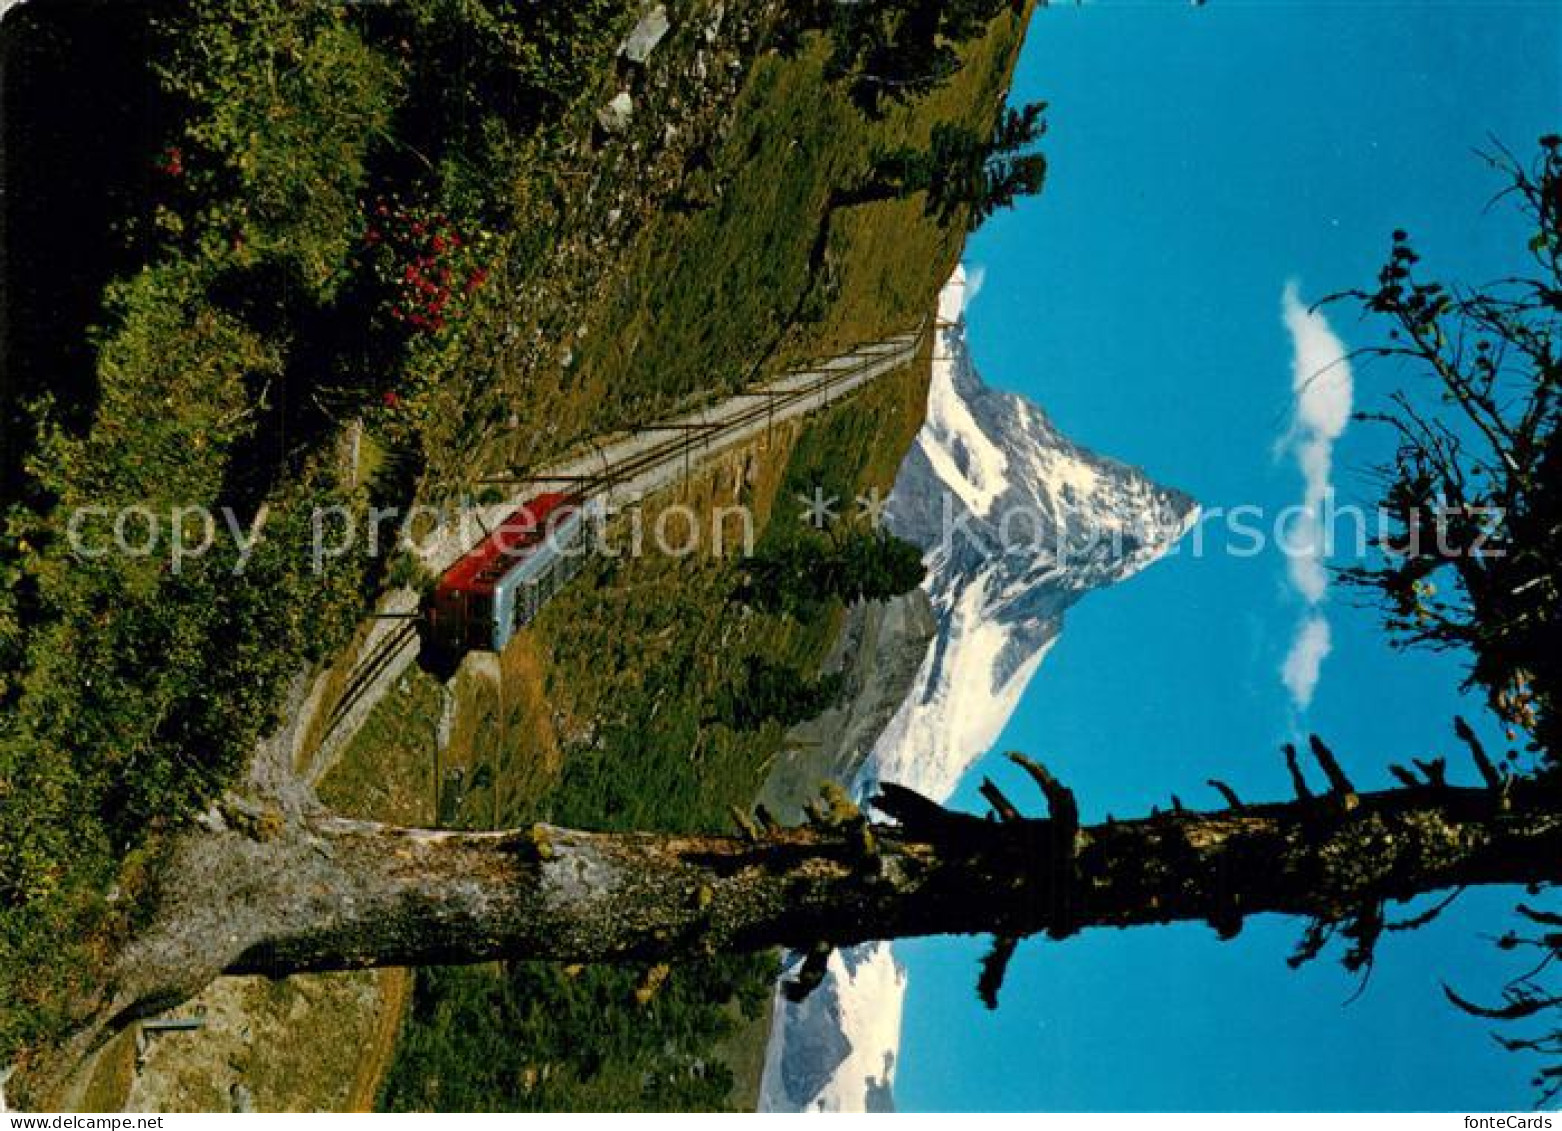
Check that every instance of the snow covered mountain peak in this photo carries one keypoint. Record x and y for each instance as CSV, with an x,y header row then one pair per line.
x,y
1016,523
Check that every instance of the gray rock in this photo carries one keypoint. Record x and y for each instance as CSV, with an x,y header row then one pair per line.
x,y
810,1060
617,114
879,651
649,32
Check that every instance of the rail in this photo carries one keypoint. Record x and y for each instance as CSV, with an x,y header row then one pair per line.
x,y
798,391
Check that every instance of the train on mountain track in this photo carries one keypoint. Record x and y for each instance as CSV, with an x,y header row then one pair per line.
x,y
501,584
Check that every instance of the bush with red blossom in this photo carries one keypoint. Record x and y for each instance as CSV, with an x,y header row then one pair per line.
x,y
430,268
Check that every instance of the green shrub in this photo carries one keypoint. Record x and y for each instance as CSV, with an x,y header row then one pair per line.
x,y
286,101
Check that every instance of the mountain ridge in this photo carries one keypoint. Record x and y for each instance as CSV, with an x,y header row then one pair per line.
x,y
1017,523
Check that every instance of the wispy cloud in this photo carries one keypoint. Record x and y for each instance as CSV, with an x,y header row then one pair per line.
x,y
1323,387
975,280
1305,659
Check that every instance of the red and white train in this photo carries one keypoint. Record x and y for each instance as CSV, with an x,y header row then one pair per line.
x,y
500,585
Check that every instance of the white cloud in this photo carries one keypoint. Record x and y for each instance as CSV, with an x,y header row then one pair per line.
x,y
1304,662
975,280
1303,546
1323,387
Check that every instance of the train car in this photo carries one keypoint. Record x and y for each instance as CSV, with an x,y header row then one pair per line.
x,y
501,583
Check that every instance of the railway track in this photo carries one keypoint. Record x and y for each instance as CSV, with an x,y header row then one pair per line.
x,y
642,465
369,668
776,401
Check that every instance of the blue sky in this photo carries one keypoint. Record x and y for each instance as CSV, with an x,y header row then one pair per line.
x,y
1200,159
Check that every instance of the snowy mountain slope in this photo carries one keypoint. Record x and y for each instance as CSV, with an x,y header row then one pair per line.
x,y
846,1030
1017,523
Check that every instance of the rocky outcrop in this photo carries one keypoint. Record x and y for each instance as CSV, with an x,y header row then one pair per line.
x,y
879,651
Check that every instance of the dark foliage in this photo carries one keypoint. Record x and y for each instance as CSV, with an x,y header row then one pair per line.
x,y
1473,498
961,173
772,692
1474,491
891,51
796,574
541,1037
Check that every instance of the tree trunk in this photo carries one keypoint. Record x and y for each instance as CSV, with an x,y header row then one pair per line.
x,y
332,894
260,893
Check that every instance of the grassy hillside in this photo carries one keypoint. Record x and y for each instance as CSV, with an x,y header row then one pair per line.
x,y
407,218
604,714
250,313
611,693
